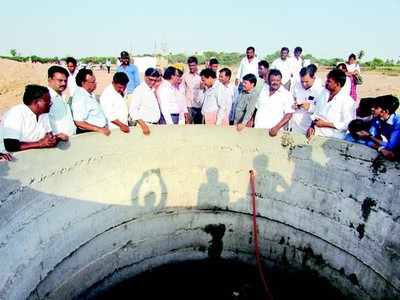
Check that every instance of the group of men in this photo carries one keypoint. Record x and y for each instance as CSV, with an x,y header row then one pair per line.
x,y
286,96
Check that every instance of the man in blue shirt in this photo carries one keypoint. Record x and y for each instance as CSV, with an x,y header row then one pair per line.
x,y
384,134
131,70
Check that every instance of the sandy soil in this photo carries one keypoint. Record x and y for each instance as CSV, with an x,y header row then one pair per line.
x,y
14,76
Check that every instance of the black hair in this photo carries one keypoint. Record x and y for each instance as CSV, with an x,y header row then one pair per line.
x,y
120,78
207,73
263,63
342,66
251,48
285,49
251,78
352,56
33,92
57,69
192,59
169,72
387,102
298,49
71,60
338,76
365,107
227,72
152,72
274,72
81,76
213,61
180,72
356,126
310,70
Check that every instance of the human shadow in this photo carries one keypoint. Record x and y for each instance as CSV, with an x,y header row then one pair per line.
x,y
149,199
213,193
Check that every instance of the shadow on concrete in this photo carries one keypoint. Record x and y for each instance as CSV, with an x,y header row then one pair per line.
x,y
213,193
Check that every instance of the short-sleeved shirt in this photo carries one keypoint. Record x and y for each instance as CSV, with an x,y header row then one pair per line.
x,y
85,107
60,115
114,106
21,124
272,108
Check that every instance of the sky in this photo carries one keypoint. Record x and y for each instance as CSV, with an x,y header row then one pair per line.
x,y
80,28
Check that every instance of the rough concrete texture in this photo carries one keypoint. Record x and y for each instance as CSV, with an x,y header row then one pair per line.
x,y
76,219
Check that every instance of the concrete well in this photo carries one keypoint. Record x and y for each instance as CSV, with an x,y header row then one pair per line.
x,y
77,219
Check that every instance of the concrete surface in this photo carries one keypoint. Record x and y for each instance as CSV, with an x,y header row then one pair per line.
x,y
77,219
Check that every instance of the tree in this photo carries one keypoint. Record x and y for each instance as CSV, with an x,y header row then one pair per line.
x,y
361,54
13,52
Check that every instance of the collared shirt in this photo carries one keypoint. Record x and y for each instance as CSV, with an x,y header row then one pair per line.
x,y
133,74
339,111
229,94
72,82
301,118
114,106
169,102
60,115
144,105
216,100
390,129
245,107
272,108
20,123
247,67
85,107
193,91
285,66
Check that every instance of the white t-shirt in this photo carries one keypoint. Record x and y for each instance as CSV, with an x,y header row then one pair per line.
x,y
144,104
339,111
20,123
60,115
271,109
114,106
285,66
301,119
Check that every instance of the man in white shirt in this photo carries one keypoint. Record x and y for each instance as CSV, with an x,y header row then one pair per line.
x,y
334,109
191,82
60,114
274,105
228,90
297,63
86,110
248,65
113,102
263,69
284,65
72,70
305,94
26,126
214,108
144,107
169,102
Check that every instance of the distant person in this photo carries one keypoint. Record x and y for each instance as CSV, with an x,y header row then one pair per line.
x,y
213,64
145,108
129,69
349,86
263,69
113,102
193,90
169,103
248,65
60,114
274,105
215,106
26,126
228,90
334,109
72,71
284,65
305,93
246,103
108,65
297,63
86,110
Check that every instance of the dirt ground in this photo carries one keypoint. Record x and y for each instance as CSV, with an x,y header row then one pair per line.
x,y
14,76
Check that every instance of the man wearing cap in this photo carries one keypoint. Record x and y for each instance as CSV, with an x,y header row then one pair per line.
x,y
129,69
